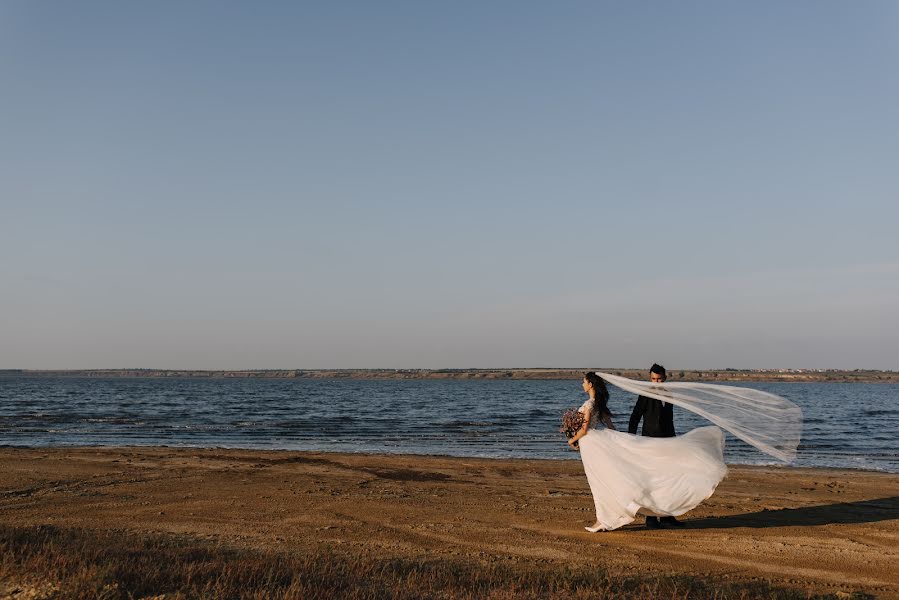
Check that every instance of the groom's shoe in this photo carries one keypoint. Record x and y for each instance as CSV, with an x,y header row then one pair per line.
x,y
652,523
670,522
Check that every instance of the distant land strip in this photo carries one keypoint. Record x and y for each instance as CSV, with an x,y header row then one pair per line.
x,y
709,375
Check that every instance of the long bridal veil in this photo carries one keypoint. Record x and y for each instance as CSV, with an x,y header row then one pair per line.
x,y
770,423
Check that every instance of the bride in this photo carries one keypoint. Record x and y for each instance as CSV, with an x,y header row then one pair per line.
x,y
666,477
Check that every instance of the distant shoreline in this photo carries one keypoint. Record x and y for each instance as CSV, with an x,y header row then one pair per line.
x,y
707,375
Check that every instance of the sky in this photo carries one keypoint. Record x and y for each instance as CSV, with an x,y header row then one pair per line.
x,y
243,185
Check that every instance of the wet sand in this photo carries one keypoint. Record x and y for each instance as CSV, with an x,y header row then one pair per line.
x,y
827,531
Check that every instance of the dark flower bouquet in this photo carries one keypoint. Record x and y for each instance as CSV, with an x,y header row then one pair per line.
x,y
572,421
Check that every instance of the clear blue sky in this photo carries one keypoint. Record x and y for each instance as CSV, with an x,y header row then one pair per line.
x,y
474,184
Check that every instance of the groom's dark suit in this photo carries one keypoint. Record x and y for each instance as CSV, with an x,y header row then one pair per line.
x,y
658,420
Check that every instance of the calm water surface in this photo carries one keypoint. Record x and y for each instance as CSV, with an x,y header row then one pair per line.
x,y
846,424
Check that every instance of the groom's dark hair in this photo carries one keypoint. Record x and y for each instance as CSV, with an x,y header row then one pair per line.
x,y
658,370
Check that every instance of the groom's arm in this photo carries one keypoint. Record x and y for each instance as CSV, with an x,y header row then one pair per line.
x,y
639,409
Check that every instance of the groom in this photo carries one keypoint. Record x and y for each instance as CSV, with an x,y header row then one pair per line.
x,y
658,421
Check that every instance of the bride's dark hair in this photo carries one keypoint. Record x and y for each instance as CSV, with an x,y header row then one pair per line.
x,y
602,393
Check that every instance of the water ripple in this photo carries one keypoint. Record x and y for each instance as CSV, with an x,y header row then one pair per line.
x,y
848,425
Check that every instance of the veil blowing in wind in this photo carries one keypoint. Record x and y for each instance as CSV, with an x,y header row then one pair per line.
x,y
766,421
665,477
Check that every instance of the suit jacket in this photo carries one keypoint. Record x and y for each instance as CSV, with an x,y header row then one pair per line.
x,y
658,420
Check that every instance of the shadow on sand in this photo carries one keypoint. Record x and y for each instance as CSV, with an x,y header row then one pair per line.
x,y
864,511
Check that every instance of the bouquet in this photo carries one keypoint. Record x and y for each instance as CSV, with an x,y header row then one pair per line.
x,y
572,421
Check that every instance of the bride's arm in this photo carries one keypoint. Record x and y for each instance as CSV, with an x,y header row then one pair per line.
x,y
582,431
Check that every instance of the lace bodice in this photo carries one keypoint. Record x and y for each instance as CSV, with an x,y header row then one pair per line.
x,y
590,404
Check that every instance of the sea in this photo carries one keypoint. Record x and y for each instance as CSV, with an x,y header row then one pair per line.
x,y
846,425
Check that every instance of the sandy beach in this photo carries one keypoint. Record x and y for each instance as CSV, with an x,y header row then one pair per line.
x,y
819,530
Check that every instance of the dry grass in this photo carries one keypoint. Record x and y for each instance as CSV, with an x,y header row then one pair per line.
x,y
48,562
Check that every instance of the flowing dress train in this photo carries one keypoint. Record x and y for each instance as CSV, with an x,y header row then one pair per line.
x,y
630,474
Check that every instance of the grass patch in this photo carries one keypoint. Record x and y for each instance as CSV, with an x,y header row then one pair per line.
x,y
86,564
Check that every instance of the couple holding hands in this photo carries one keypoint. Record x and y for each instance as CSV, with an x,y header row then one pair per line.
x,y
662,476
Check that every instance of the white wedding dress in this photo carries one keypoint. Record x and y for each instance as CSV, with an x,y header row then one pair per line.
x,y
630,474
